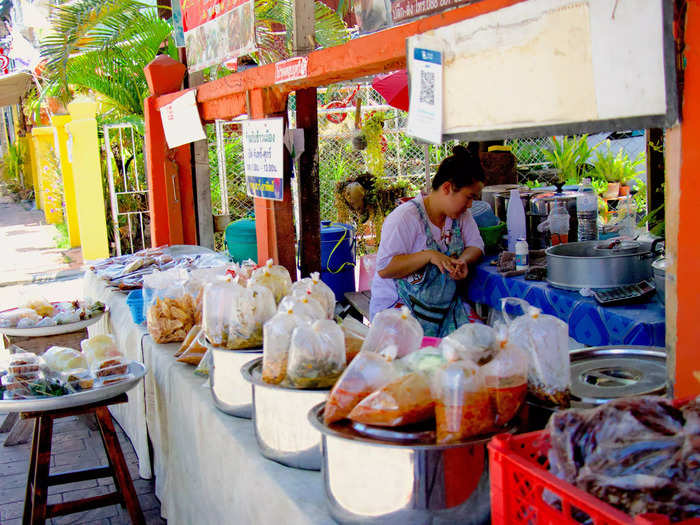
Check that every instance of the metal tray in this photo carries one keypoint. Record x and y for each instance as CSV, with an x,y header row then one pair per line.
x,y
94,395
52,330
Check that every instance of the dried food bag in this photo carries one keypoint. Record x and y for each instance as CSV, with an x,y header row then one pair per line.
x,y
427,360
195,350
367,373
474,342
170,310
394,327
274,277
319,290
277,335
305,305
251,309
404,401
218,298
99,347
316,355
545,338
506,378
199,278
11,318
462,404
60,359
204,365
355,334
194,332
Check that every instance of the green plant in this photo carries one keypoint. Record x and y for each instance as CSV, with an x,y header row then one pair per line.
x,y
533,184
569,157
61,236
13,168
617,167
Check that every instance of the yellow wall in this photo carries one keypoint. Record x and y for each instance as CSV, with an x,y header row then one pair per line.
x,y
59,122
49,177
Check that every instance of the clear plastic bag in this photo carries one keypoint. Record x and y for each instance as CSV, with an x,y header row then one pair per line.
x,y
41,306
462,404
426,360
274,277
193,353
204,365
355,334
304,305
394,327
316,355
77,379
60,359
99,347
112,366
277,335
24,366
474,342
367,373
10,318
545,338
170,310
319,290
404,401
199,278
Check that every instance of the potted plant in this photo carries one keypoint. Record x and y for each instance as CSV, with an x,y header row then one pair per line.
x,y
616,169
569,156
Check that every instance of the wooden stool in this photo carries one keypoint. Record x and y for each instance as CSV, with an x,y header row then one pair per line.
x,y
36,511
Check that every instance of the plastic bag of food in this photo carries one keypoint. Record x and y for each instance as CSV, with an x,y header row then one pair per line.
x,y
316,355
506,378
77,379
355,334
11,318
319,290
24,366
303,305
277,336
404,401
46,321
367,373
193,354
16,388
462,404
426,360
60,359
112,366
41,306
274,277
191,335
394,327
99,347
474,342
204,365
545,338
198,279
170,310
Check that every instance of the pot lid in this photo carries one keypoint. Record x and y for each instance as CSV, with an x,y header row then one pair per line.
x,y
617,246
660,264
603,373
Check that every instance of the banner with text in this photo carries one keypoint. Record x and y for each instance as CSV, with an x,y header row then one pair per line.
x,y
263,143
374,15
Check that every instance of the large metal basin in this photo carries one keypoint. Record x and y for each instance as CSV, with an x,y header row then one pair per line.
x,y
282,428
231,393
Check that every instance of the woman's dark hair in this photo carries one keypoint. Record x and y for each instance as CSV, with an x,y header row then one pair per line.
x,y
462,168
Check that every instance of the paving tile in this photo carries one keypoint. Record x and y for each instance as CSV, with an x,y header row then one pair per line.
x,y
14,467
73,445
12,494
12,481
83,459
144,486
16,521
16,453
69,487
10,511
148,502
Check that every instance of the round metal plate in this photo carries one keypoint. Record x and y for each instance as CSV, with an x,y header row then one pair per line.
x,y
252,372
419,433
52,330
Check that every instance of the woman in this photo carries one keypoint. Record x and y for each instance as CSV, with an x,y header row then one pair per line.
x,y
426,247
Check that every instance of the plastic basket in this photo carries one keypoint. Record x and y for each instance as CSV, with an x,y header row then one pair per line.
x,y
519,476
135,303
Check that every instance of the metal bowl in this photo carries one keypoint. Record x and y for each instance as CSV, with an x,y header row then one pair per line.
x,y
371,480
282,429
231,393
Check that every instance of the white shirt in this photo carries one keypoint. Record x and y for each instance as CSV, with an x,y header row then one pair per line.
x,y
403,233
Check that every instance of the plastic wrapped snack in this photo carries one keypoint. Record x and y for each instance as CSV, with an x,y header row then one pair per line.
x,y
462,404
27,322
112,366
170,310
355,334
319,290
41,306
59,359
99,347
191,335
204,365
545,338
426,360
68,316
15,387
367,373
277,336
404,401
304,305
194,352
24,366
394,327
316,355
506,378
199,278
46,321
78,379
113,379
11,318
274,277
474,342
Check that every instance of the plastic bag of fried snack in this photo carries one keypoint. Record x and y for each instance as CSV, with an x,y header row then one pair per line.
x,y
171,310
195,351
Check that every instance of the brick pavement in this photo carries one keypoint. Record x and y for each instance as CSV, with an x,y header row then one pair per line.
x,y
74,446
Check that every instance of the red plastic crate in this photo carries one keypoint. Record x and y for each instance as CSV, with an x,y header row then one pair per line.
x,y
519,475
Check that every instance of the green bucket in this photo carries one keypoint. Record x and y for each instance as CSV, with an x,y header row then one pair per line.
x,y
492,235
241,240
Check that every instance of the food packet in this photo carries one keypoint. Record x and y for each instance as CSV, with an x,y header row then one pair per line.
x,y
195,350
394,327
274,277
426,360
367,373
11,318
99,347
170,310
304,305
316,355
545,338
355,334
112,366
506,378
77,379
204,365
319,290
41,306
277,336
403,401
462,405
473,342
60,359
24,366
198,280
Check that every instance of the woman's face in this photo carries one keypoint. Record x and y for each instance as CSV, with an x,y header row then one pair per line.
x,y
460,200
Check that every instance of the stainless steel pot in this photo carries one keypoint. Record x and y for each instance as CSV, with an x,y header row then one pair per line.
x,y
282,428
488,193
540,206
231,393
659,269
375,482
579,265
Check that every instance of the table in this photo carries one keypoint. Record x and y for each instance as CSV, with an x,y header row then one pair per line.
x,y
589,323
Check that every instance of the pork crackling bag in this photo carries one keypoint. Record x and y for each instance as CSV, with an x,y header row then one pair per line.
x,y
462,404
545,339
368,372
302,305
394,327
192,350
474,342
317,289
355,334
316,355
170,310
277,335
274,277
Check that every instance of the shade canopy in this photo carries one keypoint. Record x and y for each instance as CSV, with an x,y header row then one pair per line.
x,y
394,88
13,86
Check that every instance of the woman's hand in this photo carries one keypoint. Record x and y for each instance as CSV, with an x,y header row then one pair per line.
x,y
461,270
445,263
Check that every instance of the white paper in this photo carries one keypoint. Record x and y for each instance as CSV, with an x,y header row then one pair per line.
x,y
263,143
181,121
425,62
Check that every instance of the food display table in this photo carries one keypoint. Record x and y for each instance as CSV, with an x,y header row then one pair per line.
x,y
589,323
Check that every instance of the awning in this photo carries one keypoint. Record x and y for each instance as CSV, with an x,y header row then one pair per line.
x,y
13,86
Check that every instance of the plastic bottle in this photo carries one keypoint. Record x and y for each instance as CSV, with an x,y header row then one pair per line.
x,y
587,211
521,254
559,224
515,219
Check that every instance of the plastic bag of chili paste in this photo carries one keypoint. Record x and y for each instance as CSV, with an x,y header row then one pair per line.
x,y
463,406
394,327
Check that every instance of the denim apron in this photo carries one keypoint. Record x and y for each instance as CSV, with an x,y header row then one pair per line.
x,y
432,295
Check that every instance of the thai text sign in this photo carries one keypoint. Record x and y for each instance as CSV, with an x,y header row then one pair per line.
x,y
263,143
292,69
405,9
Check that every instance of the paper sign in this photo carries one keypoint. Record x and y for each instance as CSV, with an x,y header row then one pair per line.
x,y
263,143
292,69
425,113
181,121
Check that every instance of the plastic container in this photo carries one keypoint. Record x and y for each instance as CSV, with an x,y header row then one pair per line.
x,y
519,475
241,240
368,267
522,259
338,257
491,235
135,303
587,211
515,220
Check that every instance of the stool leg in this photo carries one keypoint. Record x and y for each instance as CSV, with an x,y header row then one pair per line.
x,y
29,496
122,479
41,476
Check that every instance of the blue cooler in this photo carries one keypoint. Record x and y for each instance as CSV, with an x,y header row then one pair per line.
x,y
338,257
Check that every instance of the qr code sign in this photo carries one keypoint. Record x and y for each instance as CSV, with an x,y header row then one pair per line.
x,y
427,87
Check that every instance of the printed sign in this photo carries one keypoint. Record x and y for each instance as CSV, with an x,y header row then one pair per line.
x,y
181,121
292,69
263,143
425,113
402,10
217,30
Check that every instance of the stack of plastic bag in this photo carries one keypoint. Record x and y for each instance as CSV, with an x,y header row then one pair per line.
x,y
317,289
394,327
273,276
316,355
